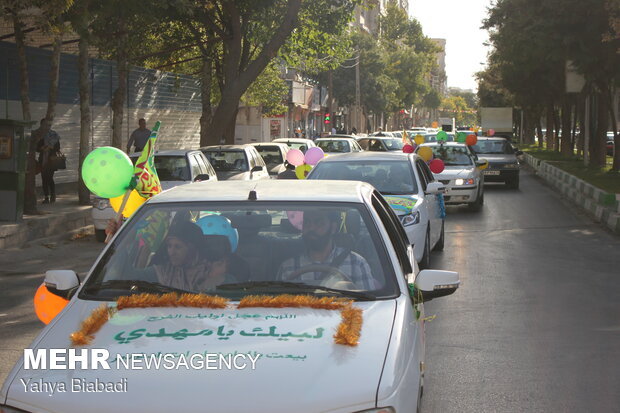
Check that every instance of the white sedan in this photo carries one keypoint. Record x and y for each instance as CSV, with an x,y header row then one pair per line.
x,y
406,183
342,328
336,145
462,175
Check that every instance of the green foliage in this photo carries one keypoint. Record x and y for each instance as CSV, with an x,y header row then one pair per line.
x,y
269,91
457,107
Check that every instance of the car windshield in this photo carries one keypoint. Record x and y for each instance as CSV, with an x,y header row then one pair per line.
x,y
493,147
271,155
226,161
452,155
230,250
393,144
172,168
295,145
334,146
389,177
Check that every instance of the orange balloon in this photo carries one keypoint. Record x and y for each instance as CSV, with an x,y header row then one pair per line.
x,y
471,140
47,305
434,124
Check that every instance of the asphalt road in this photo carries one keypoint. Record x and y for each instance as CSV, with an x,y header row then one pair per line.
x,y
535,325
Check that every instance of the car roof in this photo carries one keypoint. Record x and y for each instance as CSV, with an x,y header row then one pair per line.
x,y
172,152
279,144
297,140
444,143
226,147
340,135
268,190
492,138
336,138
369,156
379,137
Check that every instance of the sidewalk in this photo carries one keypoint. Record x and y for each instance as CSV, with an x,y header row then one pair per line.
x,y
60,220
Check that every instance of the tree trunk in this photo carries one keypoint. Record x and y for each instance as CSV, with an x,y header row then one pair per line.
x,y
614,125
550,134
84,84
225,113
556,130
597,144
580,116
207,111
118,102
52,97
566,143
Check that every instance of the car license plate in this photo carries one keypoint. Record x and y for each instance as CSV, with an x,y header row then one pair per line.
x,y
487,172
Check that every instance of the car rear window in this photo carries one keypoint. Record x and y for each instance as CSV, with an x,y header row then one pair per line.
x,y
227,161
493,147
271,155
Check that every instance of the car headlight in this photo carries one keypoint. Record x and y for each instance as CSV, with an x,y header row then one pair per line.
x,y
410,219
511,165
460,181
101,203
379,410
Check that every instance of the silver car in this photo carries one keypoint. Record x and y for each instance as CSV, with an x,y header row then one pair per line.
x,y
236,162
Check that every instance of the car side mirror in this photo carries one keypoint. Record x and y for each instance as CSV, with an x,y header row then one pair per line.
x,y
435,188
519,153
62,283
257,168
436,283
482,163
202,177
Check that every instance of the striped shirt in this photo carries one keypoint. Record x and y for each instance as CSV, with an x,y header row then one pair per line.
x,y
354,266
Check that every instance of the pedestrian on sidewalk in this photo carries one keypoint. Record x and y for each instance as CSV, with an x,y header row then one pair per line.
x,y
48,147
139,137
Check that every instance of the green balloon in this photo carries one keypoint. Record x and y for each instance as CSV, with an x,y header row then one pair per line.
x,y
107,172
461,137
442,136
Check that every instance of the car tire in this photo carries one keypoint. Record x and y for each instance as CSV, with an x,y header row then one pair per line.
x,y
477,206
440,242
100,235
425,262
513,183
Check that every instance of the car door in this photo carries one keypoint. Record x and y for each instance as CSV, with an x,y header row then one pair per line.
x,y
205,166
431,200
256,160
194,167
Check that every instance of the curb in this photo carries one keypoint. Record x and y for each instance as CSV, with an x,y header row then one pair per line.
x,y
603,206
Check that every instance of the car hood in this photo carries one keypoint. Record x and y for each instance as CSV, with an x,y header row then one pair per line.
x,y
233,176
171,184
498,158
454,172
300,367
403,204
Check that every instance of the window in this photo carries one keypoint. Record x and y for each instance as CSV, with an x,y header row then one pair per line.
x,y
195,167
423,178
395,231
228,161
271,155
172,168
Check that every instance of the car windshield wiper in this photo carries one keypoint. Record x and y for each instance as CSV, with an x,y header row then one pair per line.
x,y
258,285
135,286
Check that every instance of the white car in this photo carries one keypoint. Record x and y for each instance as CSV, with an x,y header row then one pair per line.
x,y
174,167
359,349
274,155
337,145
297,143
462,176
236,162
408,186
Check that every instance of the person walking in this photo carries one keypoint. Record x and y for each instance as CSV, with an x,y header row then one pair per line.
x,y
139,137
48,147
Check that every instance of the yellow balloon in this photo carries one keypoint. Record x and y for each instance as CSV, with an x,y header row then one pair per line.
x,y
419,139
302,171
425,153
133,203
485,166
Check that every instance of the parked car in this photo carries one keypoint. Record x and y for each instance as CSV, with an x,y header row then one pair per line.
x,y
236,162
332,145
174,167
406,183
274,155
463,179
372,362
381,143
502,157
297,143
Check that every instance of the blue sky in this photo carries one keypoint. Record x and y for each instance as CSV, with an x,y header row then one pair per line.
x,y
457,21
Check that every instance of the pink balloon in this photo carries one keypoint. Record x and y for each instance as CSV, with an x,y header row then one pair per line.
x,y
295,157
437,166
491,132
314,155
408,148
296,218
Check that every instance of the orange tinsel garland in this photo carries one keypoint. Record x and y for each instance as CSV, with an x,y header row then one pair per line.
x,y
102,314
349,329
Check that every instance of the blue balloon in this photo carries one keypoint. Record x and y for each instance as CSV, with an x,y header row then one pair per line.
x,y
219,225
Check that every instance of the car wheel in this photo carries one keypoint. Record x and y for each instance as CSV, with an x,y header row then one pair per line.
x,y
513,183
477,206
439,245
426,258
100,235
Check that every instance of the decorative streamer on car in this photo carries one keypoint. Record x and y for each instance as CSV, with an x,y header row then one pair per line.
x,y
349,329
91,325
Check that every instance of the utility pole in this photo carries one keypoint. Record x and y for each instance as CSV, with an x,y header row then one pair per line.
x,y
357,94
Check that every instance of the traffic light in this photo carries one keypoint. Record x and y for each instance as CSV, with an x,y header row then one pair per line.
x,y
327,119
